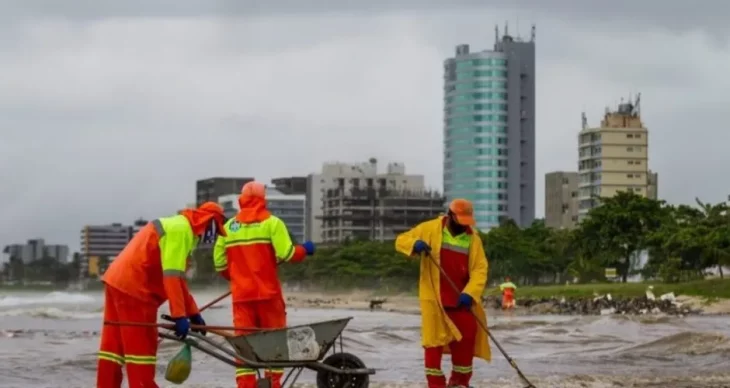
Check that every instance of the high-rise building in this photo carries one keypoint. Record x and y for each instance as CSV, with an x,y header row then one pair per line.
x,y
36,249
614,157
489,129
291,185
561,199
288,207
211,189
356,201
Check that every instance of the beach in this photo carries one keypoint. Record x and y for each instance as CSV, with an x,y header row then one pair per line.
x,y
47,337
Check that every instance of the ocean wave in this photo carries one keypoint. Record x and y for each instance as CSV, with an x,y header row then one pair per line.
x,y
51,313
516,325
53,298
686,343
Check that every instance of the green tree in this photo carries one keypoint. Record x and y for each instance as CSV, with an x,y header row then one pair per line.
x,y
620,227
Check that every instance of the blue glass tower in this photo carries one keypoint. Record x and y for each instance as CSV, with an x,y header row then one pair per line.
x,y
489,131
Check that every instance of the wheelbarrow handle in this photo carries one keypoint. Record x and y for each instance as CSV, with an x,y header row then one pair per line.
x,y
214,301
219,332
170,326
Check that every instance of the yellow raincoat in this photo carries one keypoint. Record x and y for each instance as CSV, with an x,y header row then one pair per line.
x,y
436,327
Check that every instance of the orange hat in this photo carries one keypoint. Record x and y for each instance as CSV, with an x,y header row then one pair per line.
x,y
463,211
254,189
215,212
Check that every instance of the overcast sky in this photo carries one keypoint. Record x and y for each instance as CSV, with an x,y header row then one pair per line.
x,y
110,110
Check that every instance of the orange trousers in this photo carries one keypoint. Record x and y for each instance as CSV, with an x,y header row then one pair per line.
x,y
264,314
462,353
133,346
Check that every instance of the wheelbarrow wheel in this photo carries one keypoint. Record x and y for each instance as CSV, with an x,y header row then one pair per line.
x,y
327,379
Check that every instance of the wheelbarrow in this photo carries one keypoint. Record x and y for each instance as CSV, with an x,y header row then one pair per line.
x,y
295,348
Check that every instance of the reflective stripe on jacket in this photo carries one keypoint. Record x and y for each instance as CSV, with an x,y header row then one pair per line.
x,y
250,253
455,262
152,266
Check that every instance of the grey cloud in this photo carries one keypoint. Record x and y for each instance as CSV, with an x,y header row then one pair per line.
x,y
112,111
673,15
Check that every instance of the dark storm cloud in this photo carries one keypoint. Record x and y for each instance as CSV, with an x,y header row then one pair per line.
x,y
674,15
111,110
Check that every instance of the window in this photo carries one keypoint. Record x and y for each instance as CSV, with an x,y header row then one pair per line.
x,y
630,149
629,175
638,136
630,162
629,135
463,65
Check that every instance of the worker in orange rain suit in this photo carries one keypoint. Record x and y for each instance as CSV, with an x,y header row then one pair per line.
x,y
248,255
508,293
149,271
448,318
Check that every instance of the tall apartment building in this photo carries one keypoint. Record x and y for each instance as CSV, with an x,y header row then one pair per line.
x,y
102,244
211,189
561,199
489,129
36,249
288,207
614,157
356,201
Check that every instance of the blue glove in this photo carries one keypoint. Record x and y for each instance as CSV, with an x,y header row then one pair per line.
x,y
197,319
465,300
182,327
420,246
309,247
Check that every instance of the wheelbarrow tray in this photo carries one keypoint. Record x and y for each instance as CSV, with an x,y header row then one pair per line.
x,y
302,343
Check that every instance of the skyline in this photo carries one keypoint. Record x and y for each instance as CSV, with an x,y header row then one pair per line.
x,y
94,108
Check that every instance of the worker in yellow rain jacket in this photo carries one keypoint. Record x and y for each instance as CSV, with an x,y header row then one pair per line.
x,y
448,318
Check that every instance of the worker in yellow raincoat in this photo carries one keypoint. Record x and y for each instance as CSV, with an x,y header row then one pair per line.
x,y
448,318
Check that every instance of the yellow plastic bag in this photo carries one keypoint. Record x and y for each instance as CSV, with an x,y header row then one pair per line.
x,y
178,369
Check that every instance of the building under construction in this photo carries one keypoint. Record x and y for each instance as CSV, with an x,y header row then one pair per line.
x,y
373,213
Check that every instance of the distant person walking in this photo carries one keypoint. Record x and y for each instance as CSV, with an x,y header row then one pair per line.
x,y
508,294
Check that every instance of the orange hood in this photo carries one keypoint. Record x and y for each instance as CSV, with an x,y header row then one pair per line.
x,y
200,218
253,209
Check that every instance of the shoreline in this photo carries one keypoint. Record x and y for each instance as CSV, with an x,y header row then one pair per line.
x,y
409,304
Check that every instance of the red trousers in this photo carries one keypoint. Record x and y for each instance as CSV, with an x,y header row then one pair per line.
x,y
133,346
462,353
264,314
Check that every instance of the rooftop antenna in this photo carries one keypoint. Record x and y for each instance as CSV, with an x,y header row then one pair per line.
x,y
584,120
506,28
637,105
496,33
532,33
